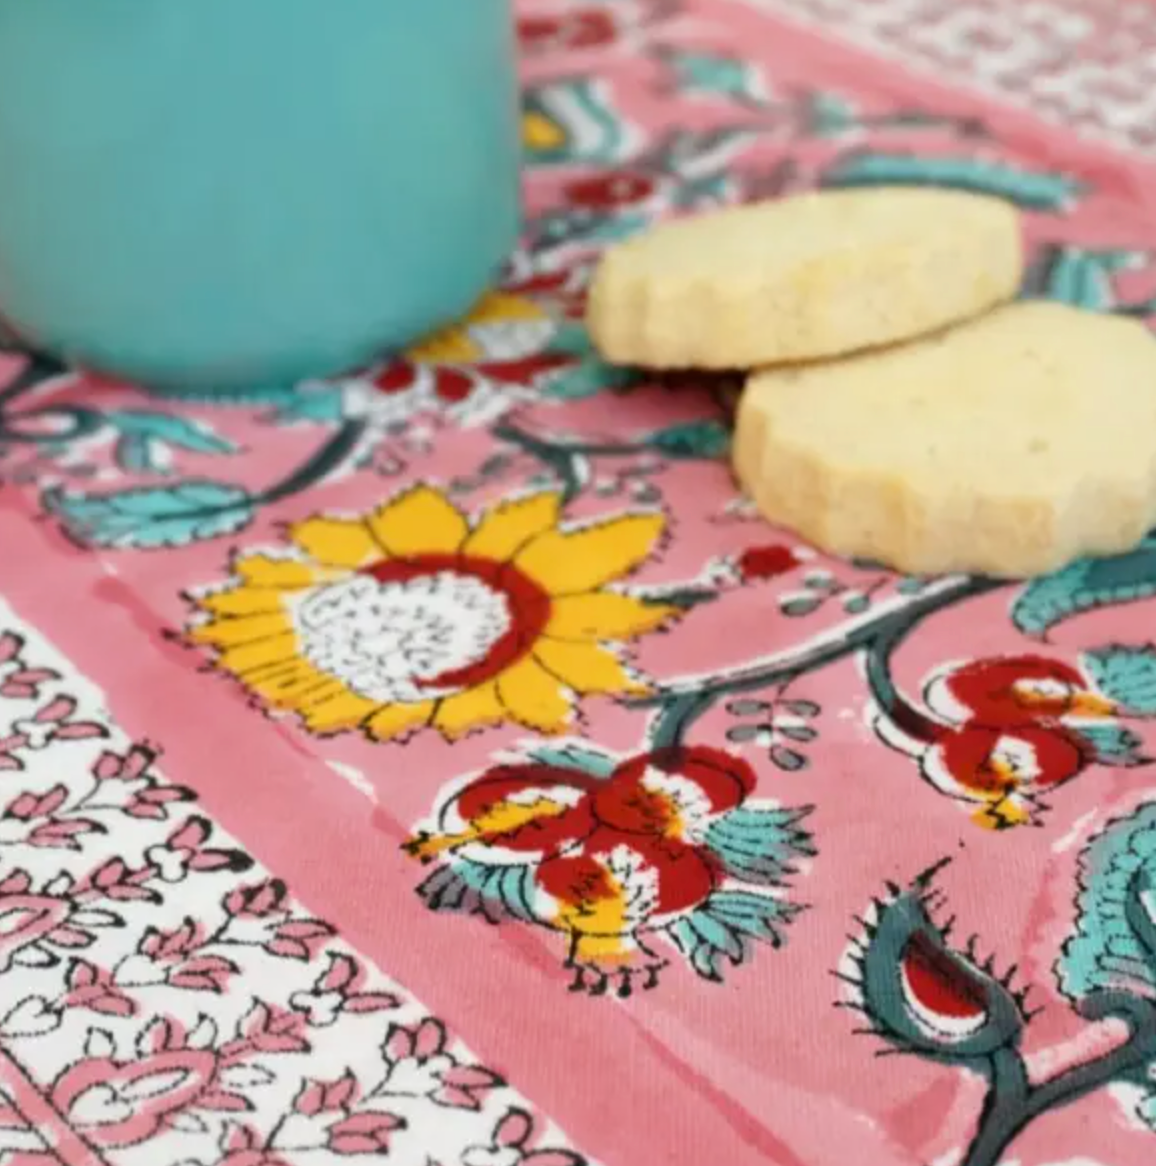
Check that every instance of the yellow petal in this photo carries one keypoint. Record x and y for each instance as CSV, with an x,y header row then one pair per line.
x,y
393,720
332,712
587,668
533,697
472,709
540,133
497,307
604,615
292,685
242,601
286,574
246,629
451,346
506,528
420,521
571,562
245,660
336,542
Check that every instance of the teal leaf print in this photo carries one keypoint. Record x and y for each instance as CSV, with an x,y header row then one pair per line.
x,y
322,404
149,518
569,121
710,190
1126,676
147,438
758,845
1114,745
724,927
1114,946
694,439
576,755
244,396
1033,190
920,994
714,75
582,227
1084,585
587,379
470,888
831,115
1080,277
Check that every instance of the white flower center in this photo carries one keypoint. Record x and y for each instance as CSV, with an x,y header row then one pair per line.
x,y
387,641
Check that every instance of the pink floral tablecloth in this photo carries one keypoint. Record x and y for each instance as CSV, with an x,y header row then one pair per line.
x,y
446,766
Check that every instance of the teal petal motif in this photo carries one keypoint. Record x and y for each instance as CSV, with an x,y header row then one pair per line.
x,y
151,518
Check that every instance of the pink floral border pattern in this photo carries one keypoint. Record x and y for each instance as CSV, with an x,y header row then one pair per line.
x,y
163,999
1085,64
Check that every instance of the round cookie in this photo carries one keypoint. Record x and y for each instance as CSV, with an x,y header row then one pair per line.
x,y
1009,445
815,275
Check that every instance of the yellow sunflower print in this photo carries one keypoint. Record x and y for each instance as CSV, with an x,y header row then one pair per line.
x,y
413,616
501,326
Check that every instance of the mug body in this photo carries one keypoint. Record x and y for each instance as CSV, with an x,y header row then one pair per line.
x,y
221,193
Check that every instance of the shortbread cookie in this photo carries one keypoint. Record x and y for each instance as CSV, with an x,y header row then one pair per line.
x,y
1009,445
801,278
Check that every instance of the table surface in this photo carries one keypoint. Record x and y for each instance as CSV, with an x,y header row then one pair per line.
x,y
446,765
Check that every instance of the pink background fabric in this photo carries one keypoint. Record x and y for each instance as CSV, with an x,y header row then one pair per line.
x,y
217,952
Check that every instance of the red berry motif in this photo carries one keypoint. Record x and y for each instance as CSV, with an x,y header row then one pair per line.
x,y
610,191
766,562
617,853
1016,690
1011,730
587,28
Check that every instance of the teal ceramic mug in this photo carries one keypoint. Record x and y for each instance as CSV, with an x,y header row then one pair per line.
x,y
221,193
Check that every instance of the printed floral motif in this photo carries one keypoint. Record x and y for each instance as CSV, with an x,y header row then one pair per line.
x,y
615,853
415,616
165,999
170,1001
507,351
925,998
1007,731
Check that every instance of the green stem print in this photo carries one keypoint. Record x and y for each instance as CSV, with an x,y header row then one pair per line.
x,y
679,704
927,999
149,517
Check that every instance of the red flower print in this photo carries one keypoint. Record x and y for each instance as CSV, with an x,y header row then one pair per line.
x,y
1010,730
673,793
766,562
1004,769
1017,690
534,809
610,191
617,884
608,852
586,28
